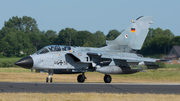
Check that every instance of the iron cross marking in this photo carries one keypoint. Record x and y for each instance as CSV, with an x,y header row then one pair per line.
x,y
61,62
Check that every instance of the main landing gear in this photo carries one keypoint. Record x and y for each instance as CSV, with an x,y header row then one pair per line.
x,y
81,78
107,78
49,78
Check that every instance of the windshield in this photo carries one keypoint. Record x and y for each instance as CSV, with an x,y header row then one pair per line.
x,y
45,50
42,50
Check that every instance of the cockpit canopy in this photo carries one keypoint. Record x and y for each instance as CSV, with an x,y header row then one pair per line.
x,y
53,48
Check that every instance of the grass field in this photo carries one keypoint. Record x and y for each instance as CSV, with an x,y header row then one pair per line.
x,y
172,66
162,75
87,97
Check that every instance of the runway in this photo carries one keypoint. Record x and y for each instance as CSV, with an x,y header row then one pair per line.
x,y
10,87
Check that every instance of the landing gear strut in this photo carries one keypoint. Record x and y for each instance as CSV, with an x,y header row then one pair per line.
x,y
81,78
107,78
49,78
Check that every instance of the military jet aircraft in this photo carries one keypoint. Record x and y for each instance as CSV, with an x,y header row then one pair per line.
x,y
117,57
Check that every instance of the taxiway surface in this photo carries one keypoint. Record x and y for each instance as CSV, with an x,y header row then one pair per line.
x,y
89,87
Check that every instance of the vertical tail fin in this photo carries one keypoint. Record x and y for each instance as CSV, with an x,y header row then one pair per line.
x,y
134,36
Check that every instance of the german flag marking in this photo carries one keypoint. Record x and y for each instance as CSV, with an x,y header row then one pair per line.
x,y
133,30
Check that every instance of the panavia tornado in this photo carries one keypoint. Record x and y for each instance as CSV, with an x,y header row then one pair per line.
x,y
117,57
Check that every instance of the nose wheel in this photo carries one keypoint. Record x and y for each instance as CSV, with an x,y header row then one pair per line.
x,y
81,78
107,78
49,78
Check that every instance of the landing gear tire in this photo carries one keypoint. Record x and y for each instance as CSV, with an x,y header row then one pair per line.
x,y
81,78
47,79
51,80
107,78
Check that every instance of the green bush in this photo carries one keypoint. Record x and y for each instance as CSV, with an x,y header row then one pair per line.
x,y
2,56
8,62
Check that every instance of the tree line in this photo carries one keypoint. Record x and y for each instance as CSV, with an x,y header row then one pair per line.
x,y
21,36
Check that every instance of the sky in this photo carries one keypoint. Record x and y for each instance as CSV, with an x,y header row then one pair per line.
x,y
93,15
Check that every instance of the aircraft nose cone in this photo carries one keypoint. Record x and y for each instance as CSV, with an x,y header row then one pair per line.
x,y
26,62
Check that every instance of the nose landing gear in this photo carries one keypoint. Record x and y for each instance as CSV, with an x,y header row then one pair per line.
x,y
49,78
